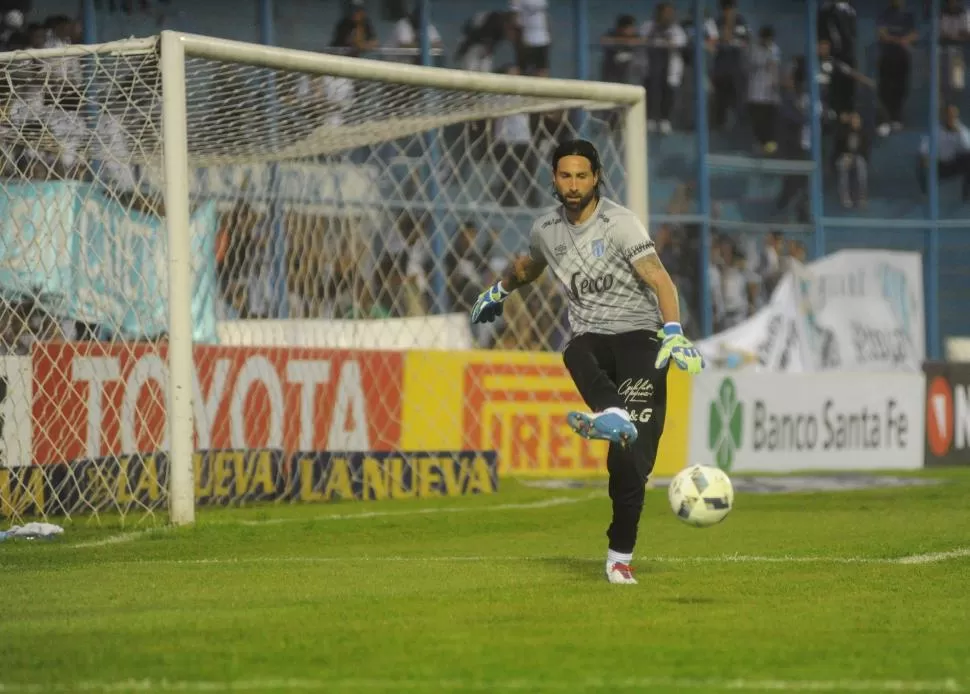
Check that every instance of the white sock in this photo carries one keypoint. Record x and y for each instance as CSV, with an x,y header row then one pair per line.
x,y
618,410
613,557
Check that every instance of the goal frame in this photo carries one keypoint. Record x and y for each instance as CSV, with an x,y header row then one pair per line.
x,y
176,47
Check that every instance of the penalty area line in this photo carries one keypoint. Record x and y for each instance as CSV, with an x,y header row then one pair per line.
x,y
390,685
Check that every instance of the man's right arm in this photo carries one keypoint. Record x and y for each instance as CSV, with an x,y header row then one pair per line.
x,y
523,270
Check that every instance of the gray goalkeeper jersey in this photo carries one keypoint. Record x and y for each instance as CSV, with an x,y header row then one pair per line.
x,y
592,261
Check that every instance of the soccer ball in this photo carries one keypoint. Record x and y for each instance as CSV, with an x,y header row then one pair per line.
x,y
701,495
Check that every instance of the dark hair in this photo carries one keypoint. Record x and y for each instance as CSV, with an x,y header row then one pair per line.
x,y
625,20
767,32
579,148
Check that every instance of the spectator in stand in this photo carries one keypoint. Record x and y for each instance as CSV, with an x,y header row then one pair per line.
x,y
464,264
710,35
728,68
407,35
953,154
624,59
622,53
764,89
797,254
794,139
826,68
754,267
851,152
665,40
531,21
514,156
237,245
12,21
837,27
684,114
954,35
771,268
22,100
63,31
482,34
354,33
733,286
897,32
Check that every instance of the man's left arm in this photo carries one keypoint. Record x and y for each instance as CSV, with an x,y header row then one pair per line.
x,y
649,269
638,249
633,241
674,346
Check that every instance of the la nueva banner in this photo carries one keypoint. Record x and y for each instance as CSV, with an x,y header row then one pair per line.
x,y
855,310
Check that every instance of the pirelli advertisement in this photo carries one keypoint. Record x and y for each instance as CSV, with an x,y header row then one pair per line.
x,y
515,403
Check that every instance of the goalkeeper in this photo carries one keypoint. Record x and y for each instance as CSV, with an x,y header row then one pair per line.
x,y
625,322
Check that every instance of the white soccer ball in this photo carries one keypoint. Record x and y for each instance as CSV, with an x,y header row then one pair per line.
x,y
701,495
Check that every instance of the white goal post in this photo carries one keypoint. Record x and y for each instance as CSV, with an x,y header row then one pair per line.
x,y
213,102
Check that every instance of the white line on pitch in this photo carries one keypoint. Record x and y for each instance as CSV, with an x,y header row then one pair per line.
x,y
118,539
433,510
631,683
935,556
417,559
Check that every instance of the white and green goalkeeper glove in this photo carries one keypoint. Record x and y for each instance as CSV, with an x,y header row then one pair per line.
x,y
489,305
677,347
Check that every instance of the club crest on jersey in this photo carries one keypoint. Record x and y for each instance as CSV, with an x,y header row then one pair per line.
x,y
598,247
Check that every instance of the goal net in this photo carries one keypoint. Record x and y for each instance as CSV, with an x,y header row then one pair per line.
x,y
232,273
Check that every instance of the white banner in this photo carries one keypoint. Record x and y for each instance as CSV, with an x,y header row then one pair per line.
x,y
761,422
449,331
850,311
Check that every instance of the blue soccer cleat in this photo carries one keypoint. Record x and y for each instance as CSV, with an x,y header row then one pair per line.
x,y
604,425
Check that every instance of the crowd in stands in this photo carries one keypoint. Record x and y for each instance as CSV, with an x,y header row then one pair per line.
x,y
43,137
758,95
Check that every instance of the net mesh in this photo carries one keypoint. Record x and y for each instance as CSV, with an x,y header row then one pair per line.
x,y
339,227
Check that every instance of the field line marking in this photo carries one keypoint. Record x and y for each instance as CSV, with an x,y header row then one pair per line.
x,y
631,683
418,559
932,557
118,539
431,510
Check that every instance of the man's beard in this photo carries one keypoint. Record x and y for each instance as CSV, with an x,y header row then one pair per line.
x,y
578,203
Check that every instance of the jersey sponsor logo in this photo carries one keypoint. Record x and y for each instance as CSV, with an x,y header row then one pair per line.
x,y
598,248
584,286
561,250
551,222
639,390
643,416
638,249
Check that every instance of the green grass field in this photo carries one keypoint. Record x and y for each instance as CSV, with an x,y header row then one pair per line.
x,y
842,591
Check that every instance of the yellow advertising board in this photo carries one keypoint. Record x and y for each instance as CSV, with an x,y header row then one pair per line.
x,y
515,403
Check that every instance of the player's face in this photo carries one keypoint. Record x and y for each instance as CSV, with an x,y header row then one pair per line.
x,y
575,181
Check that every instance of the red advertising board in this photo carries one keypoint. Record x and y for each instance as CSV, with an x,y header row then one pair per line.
x,y
94,399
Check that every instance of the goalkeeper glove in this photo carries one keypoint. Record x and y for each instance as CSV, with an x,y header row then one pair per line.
x,y
489,305
677,347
